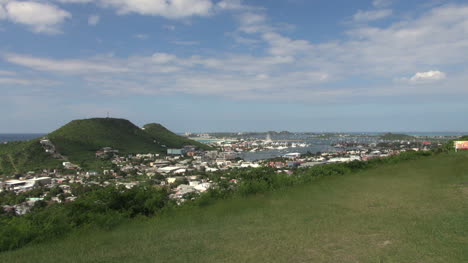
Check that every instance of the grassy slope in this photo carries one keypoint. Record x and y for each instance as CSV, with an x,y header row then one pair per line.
x,y
17,157
410,212
170,139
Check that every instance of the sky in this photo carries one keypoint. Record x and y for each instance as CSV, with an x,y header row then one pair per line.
x,y
233,65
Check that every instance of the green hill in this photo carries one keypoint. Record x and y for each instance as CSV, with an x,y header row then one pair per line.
x,y
79,140
170,139
414,211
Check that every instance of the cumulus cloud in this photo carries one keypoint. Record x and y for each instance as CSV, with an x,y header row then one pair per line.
x,y
173,9
93,20
366,16
429,76
39,17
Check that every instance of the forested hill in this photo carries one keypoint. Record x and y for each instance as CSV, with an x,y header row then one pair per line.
x,y
79,140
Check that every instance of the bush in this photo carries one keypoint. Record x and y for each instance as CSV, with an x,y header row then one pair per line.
x,y
104,208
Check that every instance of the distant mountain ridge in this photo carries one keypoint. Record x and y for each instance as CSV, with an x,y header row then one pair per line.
x,y
79,140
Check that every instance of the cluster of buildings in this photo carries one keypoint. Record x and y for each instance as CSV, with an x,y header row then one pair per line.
x,y
254,144
178,170
185,171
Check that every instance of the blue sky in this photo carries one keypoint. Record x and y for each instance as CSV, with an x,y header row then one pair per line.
x,y
230,65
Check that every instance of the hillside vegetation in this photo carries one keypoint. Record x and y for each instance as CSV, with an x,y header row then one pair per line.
x,y
79,140
170,139
412,211
17,157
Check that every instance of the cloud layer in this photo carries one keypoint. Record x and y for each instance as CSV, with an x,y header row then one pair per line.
x,y
44,16
173,9
365,63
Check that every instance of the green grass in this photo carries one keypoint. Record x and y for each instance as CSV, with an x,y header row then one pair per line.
x,y
414,211
18,157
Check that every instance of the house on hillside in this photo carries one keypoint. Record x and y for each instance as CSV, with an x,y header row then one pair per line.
x,y
106,152
171,151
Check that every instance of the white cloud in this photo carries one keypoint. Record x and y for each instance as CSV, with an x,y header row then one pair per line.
x,y
283,46
32,83
141,36
429,76
40,17
252,18
75,1
173,9
93,20
252,23
365,16
163,58
65,66
381,3
231,5
285,66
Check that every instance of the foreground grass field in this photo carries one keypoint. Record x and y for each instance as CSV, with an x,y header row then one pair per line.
x,y
410,212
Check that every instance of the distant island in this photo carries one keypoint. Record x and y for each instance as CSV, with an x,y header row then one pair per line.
x,y
396,136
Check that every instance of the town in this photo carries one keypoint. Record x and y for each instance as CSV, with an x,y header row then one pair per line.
x,y
186,172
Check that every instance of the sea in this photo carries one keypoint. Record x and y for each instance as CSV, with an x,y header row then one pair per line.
x,y
10,137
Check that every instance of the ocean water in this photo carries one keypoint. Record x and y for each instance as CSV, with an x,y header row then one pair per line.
x,y
9,137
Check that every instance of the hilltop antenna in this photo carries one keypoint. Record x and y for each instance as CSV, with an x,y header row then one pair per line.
x,y
108,115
